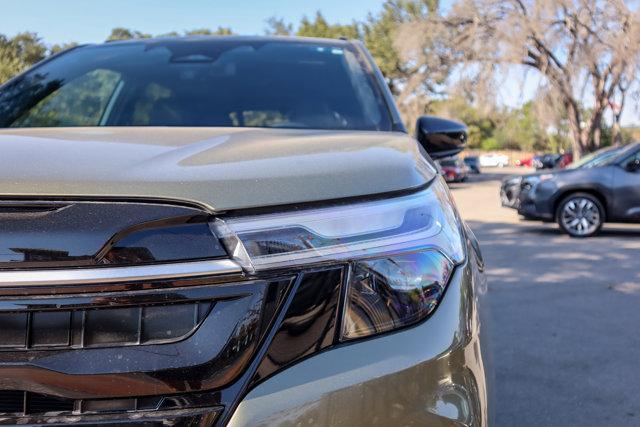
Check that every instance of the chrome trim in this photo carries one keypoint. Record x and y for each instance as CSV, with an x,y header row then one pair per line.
x,y
87,276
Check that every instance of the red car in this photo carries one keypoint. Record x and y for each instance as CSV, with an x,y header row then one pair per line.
x,y
565,160
526,162
454,170
562,162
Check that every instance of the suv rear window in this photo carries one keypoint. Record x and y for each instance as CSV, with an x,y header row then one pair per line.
x,y
199,82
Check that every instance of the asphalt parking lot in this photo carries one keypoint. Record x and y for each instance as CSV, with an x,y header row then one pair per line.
x,y
565,329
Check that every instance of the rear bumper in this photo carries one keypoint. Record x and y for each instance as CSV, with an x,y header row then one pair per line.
x,y
430,374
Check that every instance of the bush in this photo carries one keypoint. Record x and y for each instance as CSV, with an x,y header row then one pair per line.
x,y
490,144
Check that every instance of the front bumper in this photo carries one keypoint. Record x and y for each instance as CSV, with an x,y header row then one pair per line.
x,y
536,202
194,343
509,193
430,374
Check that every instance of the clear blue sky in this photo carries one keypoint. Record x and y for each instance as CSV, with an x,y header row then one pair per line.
x,y
83,21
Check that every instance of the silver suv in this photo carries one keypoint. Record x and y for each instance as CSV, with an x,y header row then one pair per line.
x,y
231,231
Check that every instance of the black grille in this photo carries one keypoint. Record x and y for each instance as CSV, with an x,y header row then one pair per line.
x,y
26,403
85,328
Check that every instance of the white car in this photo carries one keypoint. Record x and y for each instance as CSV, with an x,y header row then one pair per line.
x,y
494,160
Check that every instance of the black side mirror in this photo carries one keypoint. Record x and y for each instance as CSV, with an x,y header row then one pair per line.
x,y
633,165
441,137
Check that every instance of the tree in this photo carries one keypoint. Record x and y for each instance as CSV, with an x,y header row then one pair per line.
x,y
56,48
379,33
220,31
619,102
481,124
120,33
19,53
319,27
278,27
411,83
427,56
521,130
582,48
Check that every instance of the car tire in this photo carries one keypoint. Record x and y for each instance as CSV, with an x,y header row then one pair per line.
x,y
580,215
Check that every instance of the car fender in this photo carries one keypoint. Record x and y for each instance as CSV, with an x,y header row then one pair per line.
x,y
596,181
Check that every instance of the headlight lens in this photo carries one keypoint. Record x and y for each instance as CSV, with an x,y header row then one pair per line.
x,y
534,179
513,181
400,252
388,293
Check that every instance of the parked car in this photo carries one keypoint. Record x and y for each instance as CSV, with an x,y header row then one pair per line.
x,y
454,169
527,162
494,160
546,161
553,161
473,163
602,187
514,184
565,160
231,231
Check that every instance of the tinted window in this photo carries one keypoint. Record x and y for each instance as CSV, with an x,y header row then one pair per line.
x,y
81,102
596,158
448,163
633,158
199,82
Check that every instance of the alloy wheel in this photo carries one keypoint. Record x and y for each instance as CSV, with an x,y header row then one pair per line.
x,y
580,216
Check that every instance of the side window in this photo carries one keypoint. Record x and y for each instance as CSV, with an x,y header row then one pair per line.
x,y
80,102
632,164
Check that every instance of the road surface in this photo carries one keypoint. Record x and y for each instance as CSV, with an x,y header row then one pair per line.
x,y
565,328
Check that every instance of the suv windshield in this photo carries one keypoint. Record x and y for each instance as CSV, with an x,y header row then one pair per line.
x,y
597,158
200,82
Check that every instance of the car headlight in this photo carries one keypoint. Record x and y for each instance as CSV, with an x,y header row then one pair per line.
x,y
516,180
399,252
534,179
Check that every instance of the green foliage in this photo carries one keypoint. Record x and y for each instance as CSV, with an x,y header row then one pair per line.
x,y
377,32
506,129
220,31
520,129
277,27
319,27
490,144
88,93
628,135
494,129
120,33
482,126
19,53
57,48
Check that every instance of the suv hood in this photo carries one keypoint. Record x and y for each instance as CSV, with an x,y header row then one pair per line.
x,y
218,168
554,172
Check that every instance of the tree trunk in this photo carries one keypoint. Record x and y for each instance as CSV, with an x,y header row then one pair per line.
x,y
616,134
616,131
596,134
576,132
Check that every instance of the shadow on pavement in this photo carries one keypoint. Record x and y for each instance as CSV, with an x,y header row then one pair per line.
x,y
607,231
529,252
565,314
